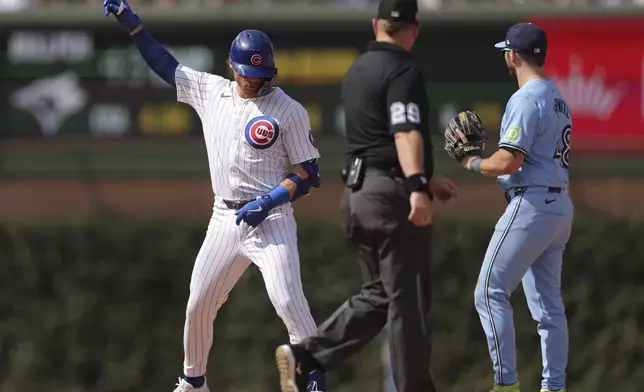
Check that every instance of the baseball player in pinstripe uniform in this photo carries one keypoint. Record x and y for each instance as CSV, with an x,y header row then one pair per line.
x,y
252,131
527,246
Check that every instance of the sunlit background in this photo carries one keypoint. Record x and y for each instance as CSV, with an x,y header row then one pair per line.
x,y
105,191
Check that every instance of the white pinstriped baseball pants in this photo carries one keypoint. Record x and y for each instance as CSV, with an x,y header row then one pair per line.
x,y
226,252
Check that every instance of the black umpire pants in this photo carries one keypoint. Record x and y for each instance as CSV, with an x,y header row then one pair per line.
x,y
394,258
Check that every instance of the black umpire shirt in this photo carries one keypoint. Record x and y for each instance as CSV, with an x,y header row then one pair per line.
x,y
383,93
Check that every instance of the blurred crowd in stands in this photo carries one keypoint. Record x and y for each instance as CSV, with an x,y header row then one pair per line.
x,y
17,5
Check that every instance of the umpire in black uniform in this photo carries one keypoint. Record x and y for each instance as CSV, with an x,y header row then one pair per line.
x,y
386,212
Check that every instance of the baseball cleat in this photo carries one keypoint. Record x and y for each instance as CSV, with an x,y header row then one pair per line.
x,y
506,388
185,386
293,378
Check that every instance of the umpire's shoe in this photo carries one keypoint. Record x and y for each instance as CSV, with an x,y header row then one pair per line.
x,y
298,373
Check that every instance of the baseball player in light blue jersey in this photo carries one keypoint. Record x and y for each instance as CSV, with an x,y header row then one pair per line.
x,y
531,166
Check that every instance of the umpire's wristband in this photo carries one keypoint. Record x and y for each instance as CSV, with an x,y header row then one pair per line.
x,y
417,183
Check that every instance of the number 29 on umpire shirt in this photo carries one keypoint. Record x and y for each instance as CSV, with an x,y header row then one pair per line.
x,y
384,93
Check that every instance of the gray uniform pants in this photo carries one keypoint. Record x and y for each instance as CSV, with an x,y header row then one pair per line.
x,y
394,258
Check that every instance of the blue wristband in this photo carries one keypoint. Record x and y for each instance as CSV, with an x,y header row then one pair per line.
x,y
475,165
279,196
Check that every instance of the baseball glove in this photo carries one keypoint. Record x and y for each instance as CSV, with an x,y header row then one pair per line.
x,y
465,136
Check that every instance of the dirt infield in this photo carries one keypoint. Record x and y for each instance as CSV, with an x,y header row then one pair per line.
x,y
189,199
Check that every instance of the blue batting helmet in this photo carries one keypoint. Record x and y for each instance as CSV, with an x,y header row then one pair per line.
x,y
252,55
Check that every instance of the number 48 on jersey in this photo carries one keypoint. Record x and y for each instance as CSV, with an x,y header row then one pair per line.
x,y
562,151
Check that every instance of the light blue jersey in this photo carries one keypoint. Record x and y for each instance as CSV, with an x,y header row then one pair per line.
x,y
537,121
529,239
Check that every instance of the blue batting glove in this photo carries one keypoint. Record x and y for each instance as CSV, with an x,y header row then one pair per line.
x,y
255,212
123,13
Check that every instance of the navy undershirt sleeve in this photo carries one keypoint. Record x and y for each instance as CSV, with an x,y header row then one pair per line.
x,y
157,57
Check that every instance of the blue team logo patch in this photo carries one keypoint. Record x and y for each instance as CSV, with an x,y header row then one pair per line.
x,y
311,139
262,132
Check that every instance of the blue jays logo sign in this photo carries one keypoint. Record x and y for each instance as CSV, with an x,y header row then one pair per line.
x,y
262,132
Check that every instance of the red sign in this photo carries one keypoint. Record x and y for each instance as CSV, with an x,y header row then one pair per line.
x,y
599,66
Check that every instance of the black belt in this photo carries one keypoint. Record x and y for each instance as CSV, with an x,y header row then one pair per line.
x,y
513,192
392,171
236,204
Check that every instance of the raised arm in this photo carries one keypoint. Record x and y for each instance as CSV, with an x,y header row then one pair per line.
x,y
193,87
156,56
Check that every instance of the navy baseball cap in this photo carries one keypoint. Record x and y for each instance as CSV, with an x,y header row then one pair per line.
x,y
527,38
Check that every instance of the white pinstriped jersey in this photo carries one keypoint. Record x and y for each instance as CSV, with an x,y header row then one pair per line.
x,y
249,142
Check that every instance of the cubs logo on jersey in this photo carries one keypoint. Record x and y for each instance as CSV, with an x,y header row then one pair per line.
x,y
262,132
